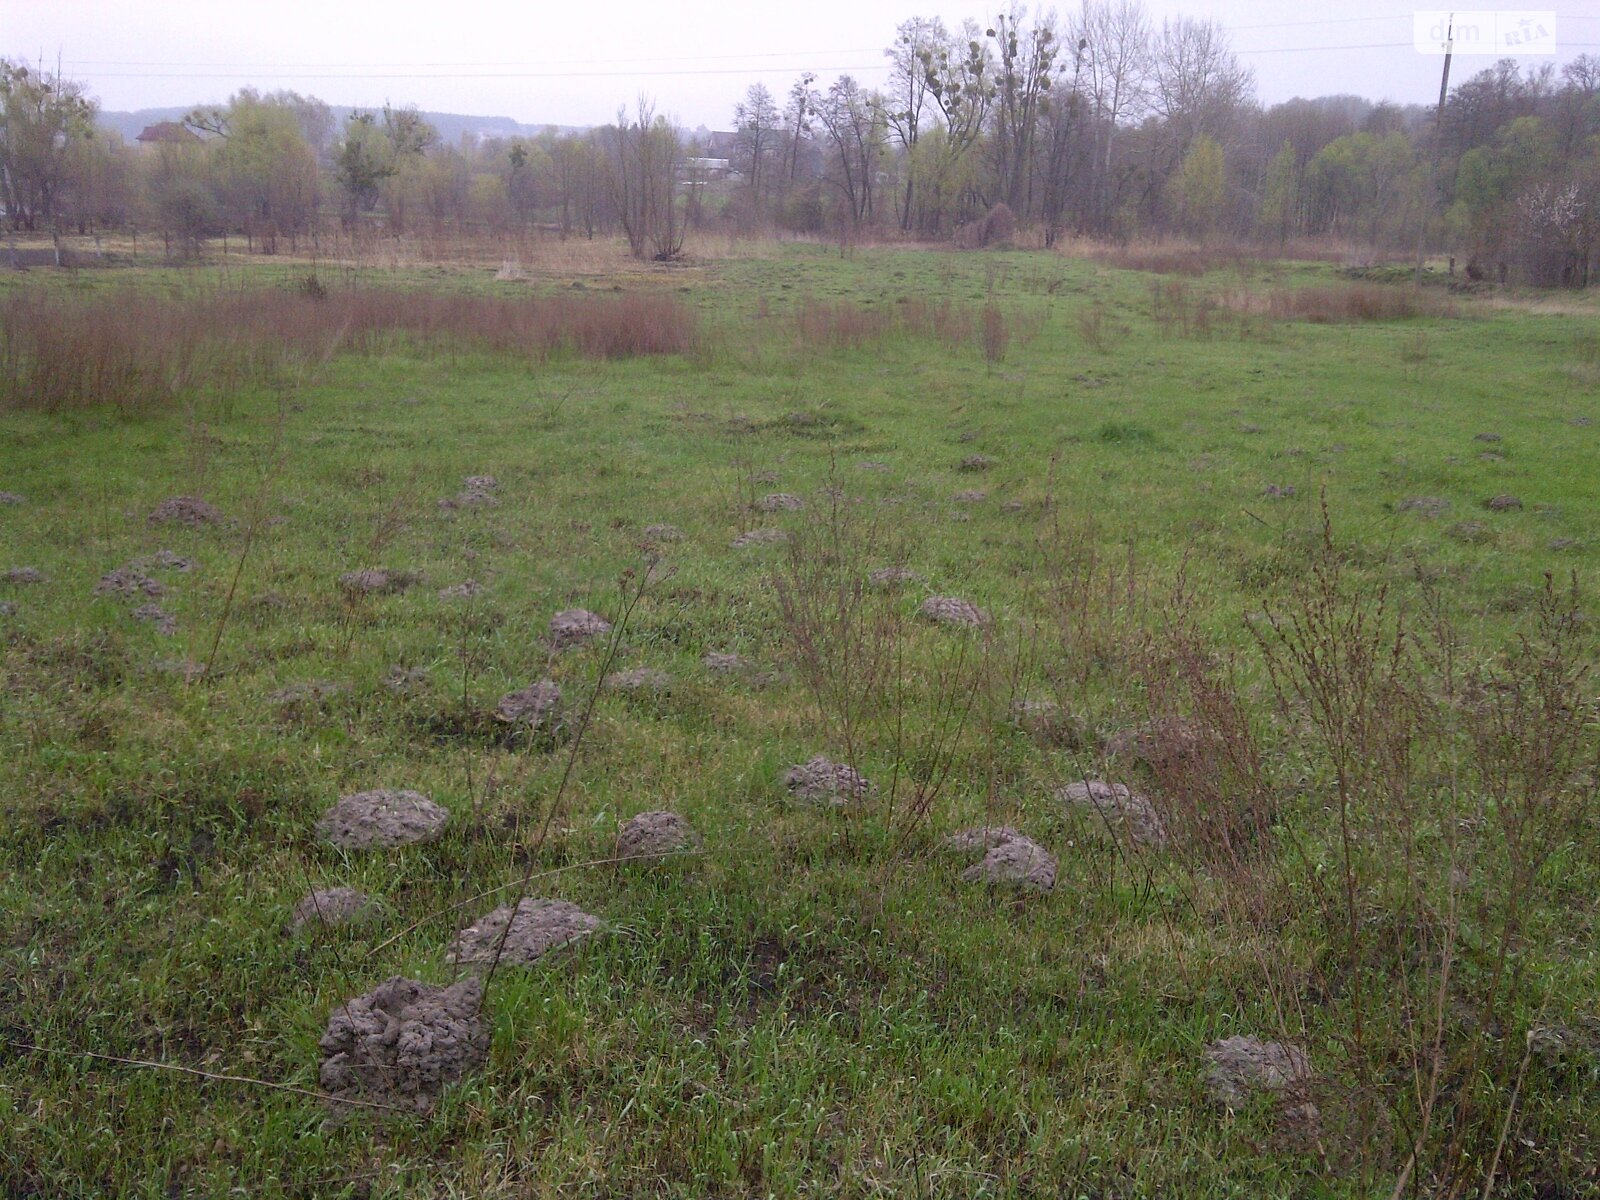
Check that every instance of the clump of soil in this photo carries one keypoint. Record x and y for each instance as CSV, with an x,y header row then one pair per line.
x,y
1502,503
736,666
640,681
975,462
981,839
381,818
539,927
823,781
309,694
656,835
1242,1066
536,706
12,498
403,1042
759,537
333,906
1474,533
1275,491
165,560
888,577
1017,862
1486,437
465,590
655,535
185,510
780,502
23,575
1047,723
476,491
377,581
128,583
576,627
164,621
1120,806
1424,506
8,608
952,610
404,681
1012,506
1161,742
971,496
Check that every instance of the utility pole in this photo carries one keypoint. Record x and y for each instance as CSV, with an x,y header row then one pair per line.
x,y
1438,139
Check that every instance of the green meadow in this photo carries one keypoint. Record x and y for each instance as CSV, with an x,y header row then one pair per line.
x,y
1342,533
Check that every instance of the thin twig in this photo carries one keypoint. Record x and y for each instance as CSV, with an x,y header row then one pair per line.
x,y
212,1075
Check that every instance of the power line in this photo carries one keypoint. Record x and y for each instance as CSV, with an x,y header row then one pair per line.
x,y
755,70
117,62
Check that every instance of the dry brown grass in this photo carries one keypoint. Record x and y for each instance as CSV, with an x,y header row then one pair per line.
x,y
1341,304
136,351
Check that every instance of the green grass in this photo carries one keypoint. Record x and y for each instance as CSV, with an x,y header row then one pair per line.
x,y
812,1007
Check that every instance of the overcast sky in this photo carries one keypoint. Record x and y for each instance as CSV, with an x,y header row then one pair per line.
x,y
573,64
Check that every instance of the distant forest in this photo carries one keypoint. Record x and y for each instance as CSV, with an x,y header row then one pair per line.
x,y
1105,125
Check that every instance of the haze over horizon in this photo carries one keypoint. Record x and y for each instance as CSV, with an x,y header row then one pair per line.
x,y
694,59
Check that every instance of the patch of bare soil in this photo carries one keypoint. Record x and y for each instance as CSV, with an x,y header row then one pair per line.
x,y
381,818
539,927
823,781
952,610
404,1042
577,627
1017,862
656,835
185,510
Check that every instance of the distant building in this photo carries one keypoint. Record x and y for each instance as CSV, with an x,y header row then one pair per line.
x,y
708,168
168,133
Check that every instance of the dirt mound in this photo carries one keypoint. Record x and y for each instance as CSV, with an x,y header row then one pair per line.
x,y
655,535
780,502
184,510
1275,491
1486,437
823,781
576,627
1047,723
23,575
640,681
1502,503
952,610
539,927
128,583
378,581
334,906
312,693
759,537
975,462
165,560
971,496
537,706
380,818
405,681
981,839
887,577
465,590
656,835
476,491
1017,862
1161,742
1241,1066
1424,506
404,1042
1120,806
164,621
12,498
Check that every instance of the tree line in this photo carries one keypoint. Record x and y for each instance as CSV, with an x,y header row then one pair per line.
x,y
1104,124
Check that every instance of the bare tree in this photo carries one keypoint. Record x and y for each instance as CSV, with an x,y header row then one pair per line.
x,y
917,44
1197,84
642,158
851,119
757,126
1026,57
1115,81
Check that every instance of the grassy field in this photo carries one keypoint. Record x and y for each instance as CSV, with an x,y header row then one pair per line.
x,y
1180,500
